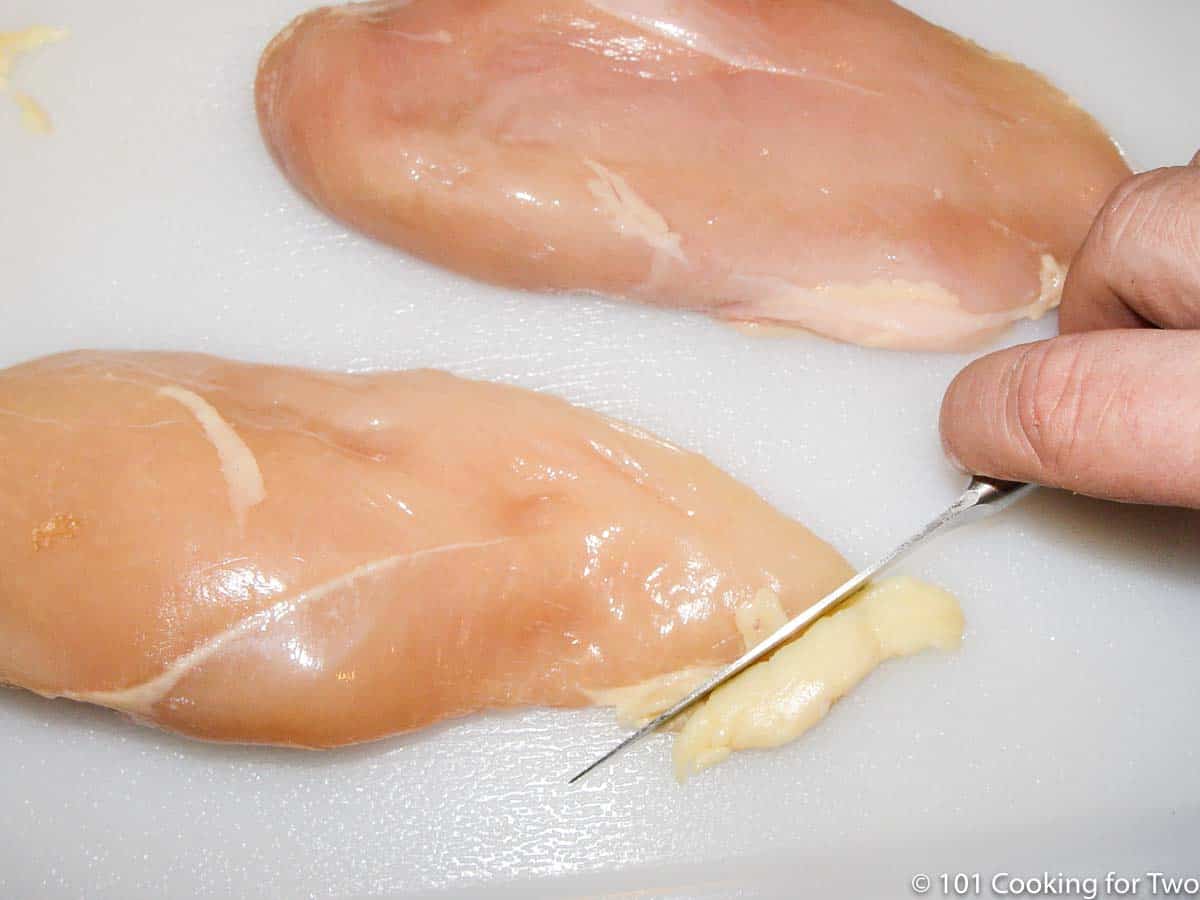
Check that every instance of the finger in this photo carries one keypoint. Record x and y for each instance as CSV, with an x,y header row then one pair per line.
x,y
1195,159
1140,263
1112,414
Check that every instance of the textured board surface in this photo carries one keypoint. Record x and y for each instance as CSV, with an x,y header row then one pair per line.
x,y
1062,737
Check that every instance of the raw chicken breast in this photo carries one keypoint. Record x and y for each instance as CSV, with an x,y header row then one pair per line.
x,y
252,553
840,166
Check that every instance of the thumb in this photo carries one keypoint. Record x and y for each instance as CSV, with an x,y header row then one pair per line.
x,y
1112,414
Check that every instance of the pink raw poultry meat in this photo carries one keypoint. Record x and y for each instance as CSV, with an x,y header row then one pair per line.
x,y
841,166
254,553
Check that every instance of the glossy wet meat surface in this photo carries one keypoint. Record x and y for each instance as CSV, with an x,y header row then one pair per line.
x,y
254,553
841,166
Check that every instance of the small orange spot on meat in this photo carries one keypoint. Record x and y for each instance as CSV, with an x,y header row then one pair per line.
x,y
63,525
532,512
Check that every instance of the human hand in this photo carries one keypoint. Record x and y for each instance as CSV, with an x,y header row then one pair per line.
x,y
1111,407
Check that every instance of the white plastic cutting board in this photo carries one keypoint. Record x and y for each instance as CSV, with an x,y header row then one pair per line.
x,y
1062,737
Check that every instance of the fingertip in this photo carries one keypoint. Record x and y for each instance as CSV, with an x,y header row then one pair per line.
x,y
1089,302
1137,267
948,448
1007,414
1112,414
968,411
